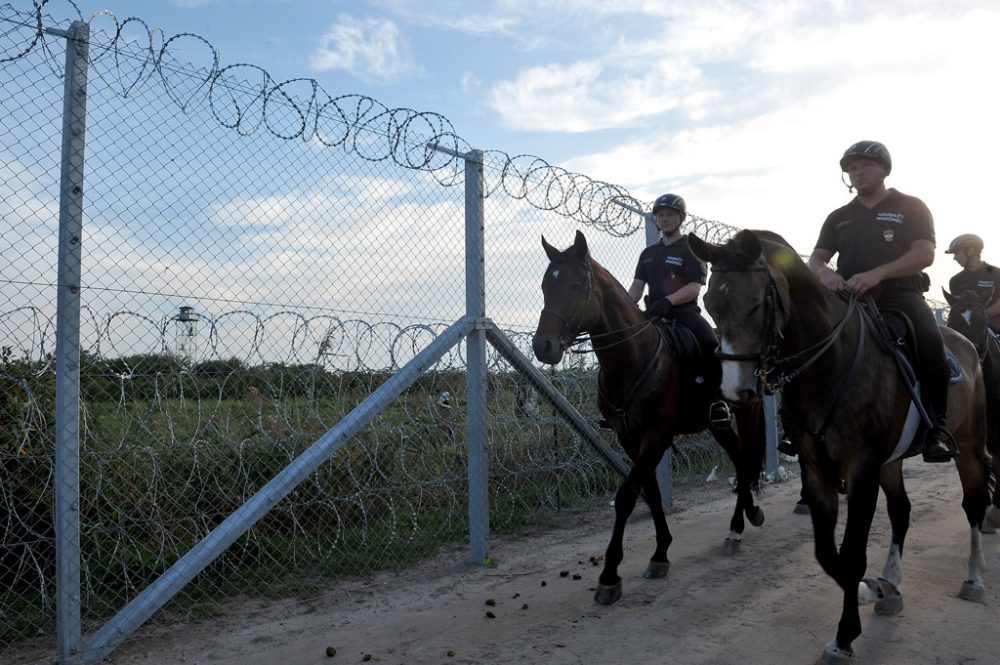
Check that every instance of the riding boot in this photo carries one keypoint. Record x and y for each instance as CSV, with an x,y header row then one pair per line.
x,y
938,443
719,414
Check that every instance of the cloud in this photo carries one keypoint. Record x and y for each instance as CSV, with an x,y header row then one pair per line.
x,y
372,50
579,97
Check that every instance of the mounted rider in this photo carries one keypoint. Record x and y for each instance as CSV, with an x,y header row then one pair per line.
x,y
675,278
976,276
884,240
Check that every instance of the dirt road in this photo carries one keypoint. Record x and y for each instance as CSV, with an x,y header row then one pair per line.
x,y
769,604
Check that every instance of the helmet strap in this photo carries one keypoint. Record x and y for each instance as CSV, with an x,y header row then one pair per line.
x,y
847,183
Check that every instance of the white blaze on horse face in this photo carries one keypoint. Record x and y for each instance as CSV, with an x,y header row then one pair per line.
x,y
555,274
967,317
736,375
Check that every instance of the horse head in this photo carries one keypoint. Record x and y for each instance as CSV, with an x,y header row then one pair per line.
x,y
570,305
748,298
967,315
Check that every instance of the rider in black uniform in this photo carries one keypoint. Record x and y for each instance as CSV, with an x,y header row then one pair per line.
x,y
884,240
977,276
675,277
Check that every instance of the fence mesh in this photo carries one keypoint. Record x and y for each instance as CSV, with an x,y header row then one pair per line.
x,y
258,257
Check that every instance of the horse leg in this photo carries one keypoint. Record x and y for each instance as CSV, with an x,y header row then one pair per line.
x,y
659,564
974,474
992,520
748,461
846,566
609,587
820,492
729,441
884,590
861,501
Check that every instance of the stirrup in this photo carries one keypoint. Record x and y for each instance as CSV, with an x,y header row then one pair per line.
x,y
786,447
939,445
719,414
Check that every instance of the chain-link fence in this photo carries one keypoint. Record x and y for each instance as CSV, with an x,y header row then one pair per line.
x,y
258,258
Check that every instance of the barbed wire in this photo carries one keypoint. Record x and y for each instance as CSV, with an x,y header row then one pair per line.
x,y
129,55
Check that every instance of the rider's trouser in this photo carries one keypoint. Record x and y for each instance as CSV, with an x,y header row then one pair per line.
x,y
931,363
692,319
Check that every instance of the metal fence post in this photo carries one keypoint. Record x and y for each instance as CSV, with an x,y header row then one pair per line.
x,y
771,433
475,308
67,416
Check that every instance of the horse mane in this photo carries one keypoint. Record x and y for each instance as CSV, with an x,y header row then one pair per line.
x,y
605,274
780,255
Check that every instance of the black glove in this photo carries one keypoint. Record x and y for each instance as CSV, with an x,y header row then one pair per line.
x,y
658,309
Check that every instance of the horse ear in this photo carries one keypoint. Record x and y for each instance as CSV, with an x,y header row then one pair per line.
x,y
948,297
749,244
704,251
580,245
550,251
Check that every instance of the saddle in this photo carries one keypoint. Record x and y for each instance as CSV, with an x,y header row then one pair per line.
x,y
683,348
697,394
894,332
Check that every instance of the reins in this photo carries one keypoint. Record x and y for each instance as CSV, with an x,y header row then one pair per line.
x,y
768,356
620,410
568,341
770,364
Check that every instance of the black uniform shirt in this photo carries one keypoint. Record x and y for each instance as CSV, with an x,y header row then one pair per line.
x,y
865,239
984,281
667,269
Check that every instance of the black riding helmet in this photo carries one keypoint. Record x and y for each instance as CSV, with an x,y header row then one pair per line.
x,y
673,202
871,150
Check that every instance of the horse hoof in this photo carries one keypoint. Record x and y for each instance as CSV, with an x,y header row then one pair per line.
x,y
993,517
608,594
972,592
655,570
757,518
834,655
889,601
801,509
730,547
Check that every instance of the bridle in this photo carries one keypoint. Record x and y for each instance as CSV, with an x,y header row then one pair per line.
x,y
571,335
989,336
771,366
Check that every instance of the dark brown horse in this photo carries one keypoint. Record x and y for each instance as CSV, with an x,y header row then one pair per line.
x,y
967,314
639,391
845,404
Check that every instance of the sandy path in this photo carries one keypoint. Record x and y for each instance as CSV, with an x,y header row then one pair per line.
x,y
769,604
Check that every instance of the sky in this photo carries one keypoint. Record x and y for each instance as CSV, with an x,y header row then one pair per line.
x,y
741,106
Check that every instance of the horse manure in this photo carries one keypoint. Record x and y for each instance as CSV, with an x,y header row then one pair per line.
x,y
595,560
331,652
490,615
577,576
451,653
491,602
543,582
524,606
516,595
563,573
366,657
